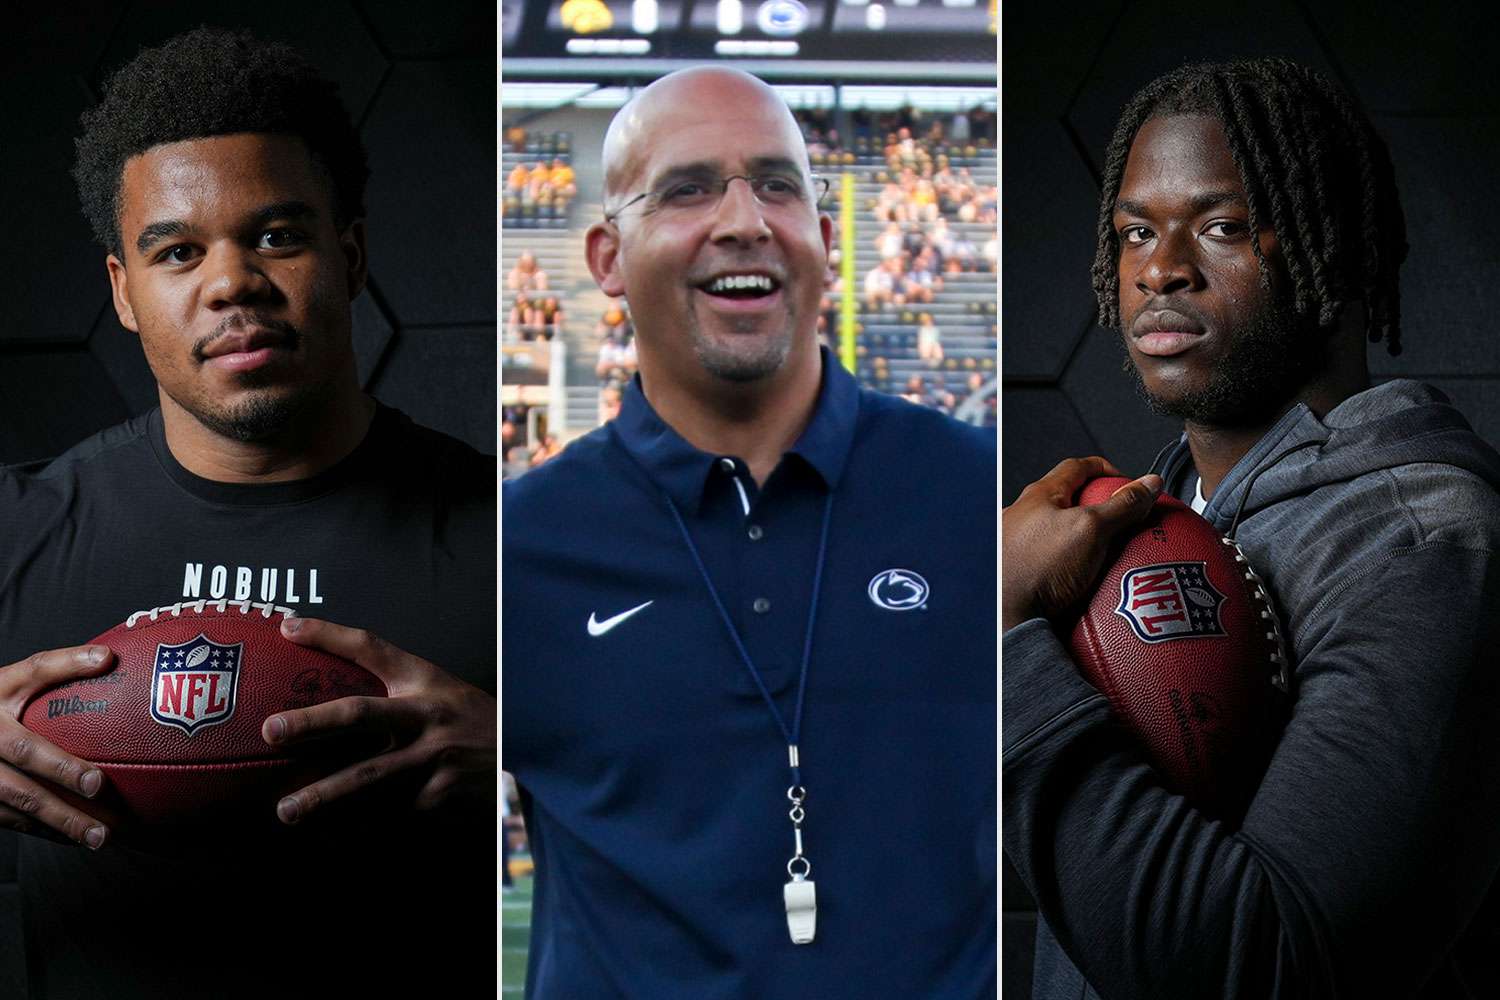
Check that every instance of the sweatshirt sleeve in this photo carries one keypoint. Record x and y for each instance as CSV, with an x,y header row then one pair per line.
x,y
1382,800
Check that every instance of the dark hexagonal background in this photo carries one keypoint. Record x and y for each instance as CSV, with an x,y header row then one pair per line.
x,y
1098,386
52,400
1069,69
424,372
1155,36
408,30
433,244
1042,427
52,276
1442,162
1050,213
333,36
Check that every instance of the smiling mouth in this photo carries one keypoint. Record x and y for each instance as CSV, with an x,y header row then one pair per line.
x,y
740,287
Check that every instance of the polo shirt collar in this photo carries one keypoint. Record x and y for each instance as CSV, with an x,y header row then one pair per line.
x,y
682,470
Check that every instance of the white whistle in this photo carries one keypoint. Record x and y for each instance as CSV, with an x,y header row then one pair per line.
x,y
801,910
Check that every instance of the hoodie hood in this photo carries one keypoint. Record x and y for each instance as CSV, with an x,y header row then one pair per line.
x,y
1396,423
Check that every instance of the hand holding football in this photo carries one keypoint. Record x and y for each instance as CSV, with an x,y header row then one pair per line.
x,y
1181,637
176,725
1053,550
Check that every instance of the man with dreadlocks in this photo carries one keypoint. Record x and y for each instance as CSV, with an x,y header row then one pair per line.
x,y
1250,235
225,183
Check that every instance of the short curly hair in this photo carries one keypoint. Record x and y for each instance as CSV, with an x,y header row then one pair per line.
x,y
208,82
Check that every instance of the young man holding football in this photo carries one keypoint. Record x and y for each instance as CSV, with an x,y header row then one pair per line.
x,y
1249,240
226,183
749,695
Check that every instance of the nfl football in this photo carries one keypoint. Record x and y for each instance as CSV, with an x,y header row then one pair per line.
x,y
175,725
1182,638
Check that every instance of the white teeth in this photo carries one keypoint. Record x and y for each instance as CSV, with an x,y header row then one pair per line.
x,y
740,281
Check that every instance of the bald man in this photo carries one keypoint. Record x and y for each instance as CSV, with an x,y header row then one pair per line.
x,y
749,624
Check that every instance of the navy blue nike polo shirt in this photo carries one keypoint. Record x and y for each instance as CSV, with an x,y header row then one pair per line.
x,y
653,774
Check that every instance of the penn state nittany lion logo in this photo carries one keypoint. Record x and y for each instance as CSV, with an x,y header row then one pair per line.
x,y
193,683
898,590
1170,601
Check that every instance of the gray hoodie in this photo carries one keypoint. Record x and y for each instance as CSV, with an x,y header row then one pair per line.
x,y
1367,861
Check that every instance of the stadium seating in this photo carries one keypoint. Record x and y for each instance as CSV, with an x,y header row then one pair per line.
x,y
520,212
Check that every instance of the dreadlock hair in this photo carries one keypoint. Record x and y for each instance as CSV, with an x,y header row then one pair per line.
x,y
1310,161
210,82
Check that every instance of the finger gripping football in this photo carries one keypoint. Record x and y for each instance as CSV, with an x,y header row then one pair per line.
x,y
1182,638
176,724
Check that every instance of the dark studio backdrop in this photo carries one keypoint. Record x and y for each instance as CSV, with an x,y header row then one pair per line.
x,y
419,80
1427,77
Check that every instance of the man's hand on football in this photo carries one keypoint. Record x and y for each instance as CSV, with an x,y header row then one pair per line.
x,y
31,767
1053,550
439,726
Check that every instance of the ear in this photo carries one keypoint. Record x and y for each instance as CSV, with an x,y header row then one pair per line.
x,y
825,228
356,264
120,290
602,249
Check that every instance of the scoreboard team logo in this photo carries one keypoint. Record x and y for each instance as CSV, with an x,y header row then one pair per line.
x,y
1170,601
193,683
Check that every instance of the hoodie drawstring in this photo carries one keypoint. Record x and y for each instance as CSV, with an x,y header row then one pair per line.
x,y
1239,511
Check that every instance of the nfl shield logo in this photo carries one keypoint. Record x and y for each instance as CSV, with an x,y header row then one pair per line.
x,y
193,684
1170,601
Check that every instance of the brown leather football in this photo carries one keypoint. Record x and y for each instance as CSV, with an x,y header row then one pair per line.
x,y
175,725
1182,638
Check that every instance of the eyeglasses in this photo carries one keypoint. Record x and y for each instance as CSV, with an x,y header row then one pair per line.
x,y
702,194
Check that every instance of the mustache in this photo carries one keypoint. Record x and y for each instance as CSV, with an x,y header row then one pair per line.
x,y
290,335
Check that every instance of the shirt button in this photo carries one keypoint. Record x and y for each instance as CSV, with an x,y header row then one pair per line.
x,y
727,464
761,605
756,532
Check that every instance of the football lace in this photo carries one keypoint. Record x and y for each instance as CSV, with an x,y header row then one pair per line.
x,y
1281,666
222,606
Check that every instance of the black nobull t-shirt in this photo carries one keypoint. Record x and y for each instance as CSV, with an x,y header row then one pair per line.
x,y
398,538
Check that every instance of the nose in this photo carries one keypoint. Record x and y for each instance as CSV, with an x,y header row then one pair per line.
x,y
738,217
1171,267
232,275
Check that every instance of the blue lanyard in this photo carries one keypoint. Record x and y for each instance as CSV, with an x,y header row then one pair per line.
x,y
791,734
799,894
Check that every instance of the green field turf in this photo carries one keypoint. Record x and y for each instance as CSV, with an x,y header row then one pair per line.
x,y
515,938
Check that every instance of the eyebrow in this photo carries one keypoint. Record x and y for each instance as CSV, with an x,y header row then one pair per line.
x,y
172,228
158,231
1197,204
714,168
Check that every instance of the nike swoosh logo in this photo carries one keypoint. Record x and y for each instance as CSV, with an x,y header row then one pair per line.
x,y
597,628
